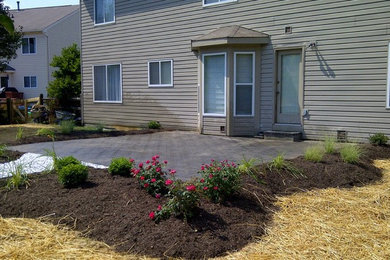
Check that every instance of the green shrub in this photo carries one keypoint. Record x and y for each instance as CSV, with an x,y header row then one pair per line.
x,y
19,134
154,125
72,175
279,163
379,139
18,177
99,128
219,180
3,148
183,202
329,145
67,126
120,166
46,132
314,154
60,163
351,153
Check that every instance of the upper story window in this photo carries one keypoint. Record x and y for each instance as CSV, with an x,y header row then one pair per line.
x,y
30,82
104,11
161,73
215,2
107,83
29,46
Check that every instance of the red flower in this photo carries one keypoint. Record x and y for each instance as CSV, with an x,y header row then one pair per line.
x,y
147,161
215,188
219,168
205,188
142,178
140,165
154,163
159,207
158,195
153,158
202,180
151,215
173,172
131,160
146,185
191,188
148,168
158,169
212,160
166,162
136,171
211,176
157,156
153,180
168,182
202,168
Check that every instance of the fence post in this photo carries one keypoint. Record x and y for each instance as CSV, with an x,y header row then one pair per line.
x,y
25,110
9,110
41,99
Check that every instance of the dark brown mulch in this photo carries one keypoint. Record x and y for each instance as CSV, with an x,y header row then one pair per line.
x,y
115,210
10,156
78,135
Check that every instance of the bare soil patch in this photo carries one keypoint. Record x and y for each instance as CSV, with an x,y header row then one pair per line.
x,y
115,210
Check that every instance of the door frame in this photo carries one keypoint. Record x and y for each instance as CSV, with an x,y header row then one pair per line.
x,y
284,126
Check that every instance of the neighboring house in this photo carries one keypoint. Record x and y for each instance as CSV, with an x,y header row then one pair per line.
x,y
46,31
238,67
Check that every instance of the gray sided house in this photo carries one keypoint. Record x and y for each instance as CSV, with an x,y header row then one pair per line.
x,y
46,31
238,67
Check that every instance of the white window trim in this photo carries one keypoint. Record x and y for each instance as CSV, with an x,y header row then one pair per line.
x,y
203,95
246,84
388,78
35,47
160,85
120,82
104,23
36,82
218,3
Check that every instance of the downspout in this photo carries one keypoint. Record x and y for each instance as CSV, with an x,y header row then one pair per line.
x,y
81,68
48,60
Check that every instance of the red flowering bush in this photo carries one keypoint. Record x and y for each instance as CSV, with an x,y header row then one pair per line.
x,y
183,202
152,176
219,180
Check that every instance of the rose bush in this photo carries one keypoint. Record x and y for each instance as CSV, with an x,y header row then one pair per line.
x,y
219,180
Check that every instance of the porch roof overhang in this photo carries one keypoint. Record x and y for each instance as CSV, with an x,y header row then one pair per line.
x,y
7,69
230,35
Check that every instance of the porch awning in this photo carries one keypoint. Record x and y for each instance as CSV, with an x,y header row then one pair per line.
x,y
7,68
230,35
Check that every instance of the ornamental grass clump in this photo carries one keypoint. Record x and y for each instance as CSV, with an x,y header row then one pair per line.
x,y
67,127
121,166
152,176
379,139
73,175
249,167
46,132
219,180
329,145
183,202
279,163
351,153
314,154
19,134
17,177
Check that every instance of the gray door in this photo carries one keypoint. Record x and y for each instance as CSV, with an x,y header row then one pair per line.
x,y
289,87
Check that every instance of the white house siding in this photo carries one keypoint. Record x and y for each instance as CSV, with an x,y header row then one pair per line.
x,y
31,65
344,86
62,34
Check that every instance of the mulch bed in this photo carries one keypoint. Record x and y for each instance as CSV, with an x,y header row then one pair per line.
x,y
115,210
10,156
78,135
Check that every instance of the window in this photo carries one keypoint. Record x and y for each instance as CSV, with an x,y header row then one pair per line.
x,y
244,82
215,2
107,83
388,78
104,11
30,82
160,73
29,46
214,84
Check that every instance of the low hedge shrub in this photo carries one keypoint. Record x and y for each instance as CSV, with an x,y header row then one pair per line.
x,y
121,166
73,175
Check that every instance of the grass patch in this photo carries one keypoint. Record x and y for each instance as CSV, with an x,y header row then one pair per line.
x,y
19,134
351,153
314,153
66,127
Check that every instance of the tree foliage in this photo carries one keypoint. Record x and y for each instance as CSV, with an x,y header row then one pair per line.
x,y
67,82
10,39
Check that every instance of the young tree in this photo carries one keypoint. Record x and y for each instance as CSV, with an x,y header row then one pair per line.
x,y
67,82
10,39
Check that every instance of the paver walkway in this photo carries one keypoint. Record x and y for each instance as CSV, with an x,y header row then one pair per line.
x,y
185,151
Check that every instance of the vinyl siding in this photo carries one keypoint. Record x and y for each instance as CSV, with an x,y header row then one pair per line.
x,y
344,81
212,125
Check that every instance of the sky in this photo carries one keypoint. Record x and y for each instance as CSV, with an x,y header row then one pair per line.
x,y
39,3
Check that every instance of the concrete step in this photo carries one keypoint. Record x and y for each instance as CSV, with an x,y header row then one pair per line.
x,y
283,135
